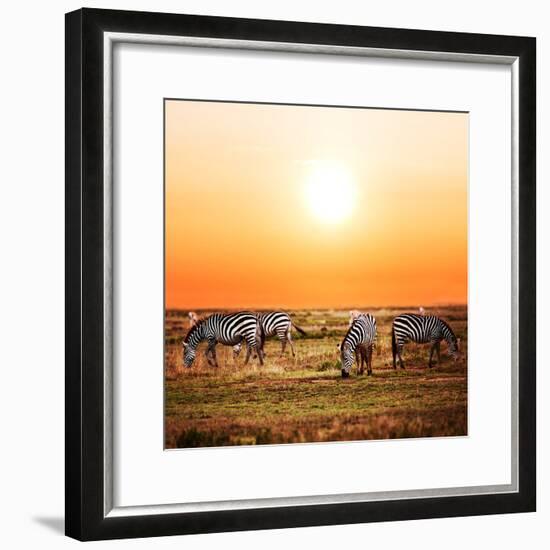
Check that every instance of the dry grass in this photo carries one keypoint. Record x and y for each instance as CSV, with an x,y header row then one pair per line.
x,y
304,399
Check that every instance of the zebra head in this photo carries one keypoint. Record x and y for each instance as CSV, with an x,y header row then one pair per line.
x,y
453,347
237,349
191,341
189,354
453,343
346,355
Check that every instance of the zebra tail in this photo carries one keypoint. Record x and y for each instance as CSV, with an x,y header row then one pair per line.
x,y
300,330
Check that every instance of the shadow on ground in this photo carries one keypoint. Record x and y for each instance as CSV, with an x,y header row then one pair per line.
x,y
54,524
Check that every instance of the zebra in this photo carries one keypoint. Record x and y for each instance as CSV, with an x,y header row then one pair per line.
x,y
422,329
358,341
228,329
274,323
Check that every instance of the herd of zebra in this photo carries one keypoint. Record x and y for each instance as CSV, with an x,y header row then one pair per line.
x,y
252,329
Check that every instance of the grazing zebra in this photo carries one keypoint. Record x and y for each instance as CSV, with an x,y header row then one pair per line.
x,y
358,341
274,323
422,329
228,329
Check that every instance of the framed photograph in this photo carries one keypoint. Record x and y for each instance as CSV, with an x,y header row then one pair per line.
x,y
300,274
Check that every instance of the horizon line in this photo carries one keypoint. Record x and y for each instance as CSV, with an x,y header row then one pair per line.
x,y
265,308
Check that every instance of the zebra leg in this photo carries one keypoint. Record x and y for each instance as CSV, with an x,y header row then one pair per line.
x,y
248,352
281,335
399,352
214,356
260,352
359,359
289,339
252,345
210,352
431,355
259,343
291,346
438,349
283,346
369,360
255,348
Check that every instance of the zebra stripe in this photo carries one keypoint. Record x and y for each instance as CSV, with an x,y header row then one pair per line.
x,y
422,329
227,329
275,323
358,342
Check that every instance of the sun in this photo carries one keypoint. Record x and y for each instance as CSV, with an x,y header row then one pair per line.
x,y
330,192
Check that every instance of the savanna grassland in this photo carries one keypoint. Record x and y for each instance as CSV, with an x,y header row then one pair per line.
x,y
304,399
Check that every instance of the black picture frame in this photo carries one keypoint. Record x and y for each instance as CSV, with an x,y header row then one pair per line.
x,y
84,455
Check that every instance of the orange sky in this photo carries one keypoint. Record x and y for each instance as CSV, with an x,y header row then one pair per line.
x,y
241,231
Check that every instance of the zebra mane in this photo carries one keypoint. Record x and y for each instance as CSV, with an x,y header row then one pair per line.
x,y
350,327
193,329
451,331
347,332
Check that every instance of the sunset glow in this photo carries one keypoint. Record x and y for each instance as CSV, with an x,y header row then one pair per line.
x,y
330,192
313,207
